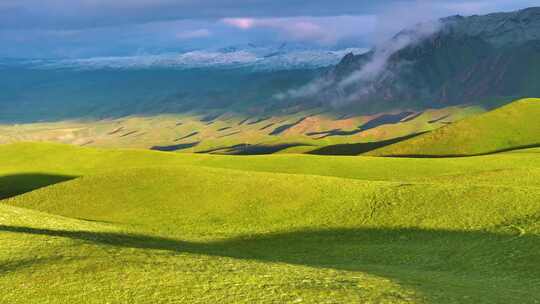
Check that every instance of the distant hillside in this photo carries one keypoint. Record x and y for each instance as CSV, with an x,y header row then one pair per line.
x,y
513,126
487,60
41,94
230,133
240,79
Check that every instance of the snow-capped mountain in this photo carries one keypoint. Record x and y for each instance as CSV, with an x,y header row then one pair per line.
x,y
282,57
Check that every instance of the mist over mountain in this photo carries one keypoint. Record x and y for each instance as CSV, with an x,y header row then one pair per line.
x,y
484,60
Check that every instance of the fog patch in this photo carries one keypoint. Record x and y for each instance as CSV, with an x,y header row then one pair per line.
x,y
382,53
409,20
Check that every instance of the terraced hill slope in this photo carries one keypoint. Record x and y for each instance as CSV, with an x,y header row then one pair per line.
x,y
154,227
514,126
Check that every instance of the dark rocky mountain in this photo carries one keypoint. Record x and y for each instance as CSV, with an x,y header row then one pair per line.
x,y
487,59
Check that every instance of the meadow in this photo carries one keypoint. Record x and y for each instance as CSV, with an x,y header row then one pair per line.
x,y
256,151
92,225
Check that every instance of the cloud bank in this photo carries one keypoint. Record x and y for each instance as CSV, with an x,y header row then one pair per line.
x,y
323,30
64,14
83,28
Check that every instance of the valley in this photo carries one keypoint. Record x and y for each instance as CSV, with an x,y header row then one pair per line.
x,y
230,133
267,152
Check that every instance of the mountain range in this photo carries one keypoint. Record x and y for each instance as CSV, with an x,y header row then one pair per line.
x,y
484,60
260,58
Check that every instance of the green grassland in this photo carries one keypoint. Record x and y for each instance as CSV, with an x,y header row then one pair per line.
x,y
514,126
92,225
229,133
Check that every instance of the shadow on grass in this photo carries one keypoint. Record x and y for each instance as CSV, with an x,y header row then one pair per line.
x,y
177,147
510,149
283,128
359,148
433,262
13,185
387,119
247,149
265,149
258,120
25,263
374,123
334,132
187,136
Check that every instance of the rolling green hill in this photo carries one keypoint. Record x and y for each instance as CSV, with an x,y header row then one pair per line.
x,y
95,209
151,227
514,126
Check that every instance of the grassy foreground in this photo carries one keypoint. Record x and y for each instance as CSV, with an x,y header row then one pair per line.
x,y
130,226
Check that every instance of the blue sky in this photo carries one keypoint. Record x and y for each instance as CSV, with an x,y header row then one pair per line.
x,y
87,28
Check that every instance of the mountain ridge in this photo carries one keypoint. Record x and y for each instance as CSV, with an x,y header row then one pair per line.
x,y
259,58
441,68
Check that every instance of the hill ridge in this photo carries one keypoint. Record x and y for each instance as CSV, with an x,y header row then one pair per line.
x,y
511,127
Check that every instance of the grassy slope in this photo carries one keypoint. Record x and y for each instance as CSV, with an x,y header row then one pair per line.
x,y
155,227
194,132
69,161
512,126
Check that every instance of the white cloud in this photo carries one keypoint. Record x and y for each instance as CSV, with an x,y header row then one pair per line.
x,y
323,30
122,27
241,23
384,51
194,34
69,14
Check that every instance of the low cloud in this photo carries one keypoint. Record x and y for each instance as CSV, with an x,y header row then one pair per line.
x,y
194,34
382,53
322,30
310,89
297,29
397,28
241,23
